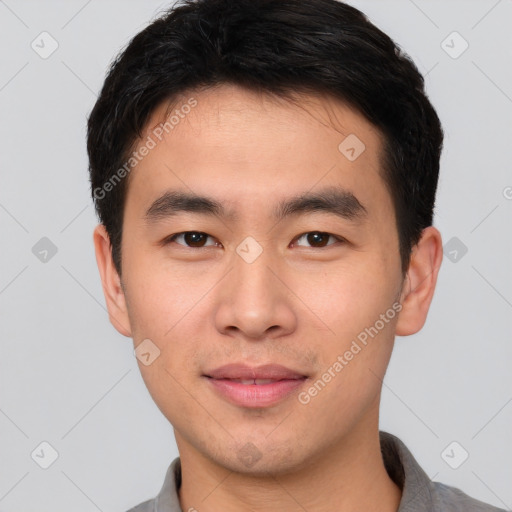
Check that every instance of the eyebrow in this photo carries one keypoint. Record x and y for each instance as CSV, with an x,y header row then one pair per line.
x,y
334,200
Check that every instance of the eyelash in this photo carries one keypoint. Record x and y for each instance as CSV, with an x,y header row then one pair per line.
x,y
171,239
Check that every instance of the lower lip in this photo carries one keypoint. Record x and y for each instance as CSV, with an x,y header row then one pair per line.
x,y
256,395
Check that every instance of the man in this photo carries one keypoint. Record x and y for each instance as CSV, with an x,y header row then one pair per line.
x,y
265,174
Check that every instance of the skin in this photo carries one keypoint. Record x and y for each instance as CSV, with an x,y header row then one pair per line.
x,y
298,304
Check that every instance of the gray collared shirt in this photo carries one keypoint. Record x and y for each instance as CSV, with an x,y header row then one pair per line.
x,y
419,493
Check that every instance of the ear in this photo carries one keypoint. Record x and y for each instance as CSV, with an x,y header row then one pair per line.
x,y
112,288
421,279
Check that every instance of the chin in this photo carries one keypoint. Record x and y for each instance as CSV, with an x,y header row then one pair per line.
x,y
261,459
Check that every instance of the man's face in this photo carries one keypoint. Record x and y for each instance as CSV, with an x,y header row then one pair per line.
x,y
251,288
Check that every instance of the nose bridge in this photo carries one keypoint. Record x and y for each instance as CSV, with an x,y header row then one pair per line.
x,y
253,300
252,278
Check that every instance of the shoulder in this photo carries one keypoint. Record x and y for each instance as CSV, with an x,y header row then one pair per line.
x,y
452,499
167,499
146,506
419,492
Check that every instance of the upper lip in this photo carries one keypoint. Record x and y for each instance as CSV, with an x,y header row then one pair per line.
x,y
243,371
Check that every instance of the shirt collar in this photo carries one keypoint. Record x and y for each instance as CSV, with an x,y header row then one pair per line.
x,y
417,488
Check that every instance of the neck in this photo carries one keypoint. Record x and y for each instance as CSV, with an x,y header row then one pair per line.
x,y
350,477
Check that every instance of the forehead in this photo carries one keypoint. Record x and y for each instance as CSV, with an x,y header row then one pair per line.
x,y
250,147
221,111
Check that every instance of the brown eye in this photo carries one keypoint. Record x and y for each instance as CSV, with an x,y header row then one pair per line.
x,y
194,239
318,239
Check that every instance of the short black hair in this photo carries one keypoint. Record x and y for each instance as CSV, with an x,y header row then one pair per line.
x,y
278,47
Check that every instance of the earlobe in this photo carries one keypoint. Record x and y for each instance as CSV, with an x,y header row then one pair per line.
x,y
111,282
421,279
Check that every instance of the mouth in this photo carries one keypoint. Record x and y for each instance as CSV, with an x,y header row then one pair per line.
x,y
256,387
258,382
244,373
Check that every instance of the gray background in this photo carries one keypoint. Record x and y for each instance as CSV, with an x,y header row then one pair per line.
x,y
68,378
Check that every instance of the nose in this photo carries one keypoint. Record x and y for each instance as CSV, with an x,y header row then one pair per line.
x,y
254,302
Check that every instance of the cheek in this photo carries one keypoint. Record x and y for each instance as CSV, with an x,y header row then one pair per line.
x,y
159,310
346,300
356,309
157,299
352,370
170,391
172,378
